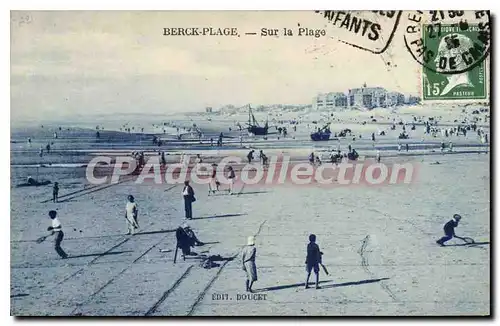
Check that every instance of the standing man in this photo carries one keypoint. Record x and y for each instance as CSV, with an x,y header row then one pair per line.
x,y
188,194
250,156
248,262
449,229
55,192
214,184
378,156
313,259
231,177
56,229
131,212
311,158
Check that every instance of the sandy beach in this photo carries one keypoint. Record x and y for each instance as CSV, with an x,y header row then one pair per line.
x,y
378,241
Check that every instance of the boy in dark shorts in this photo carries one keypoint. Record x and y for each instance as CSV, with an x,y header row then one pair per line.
x,y
313,259
55,192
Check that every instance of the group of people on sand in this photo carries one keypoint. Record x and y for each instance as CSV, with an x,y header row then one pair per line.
x,y
312,262
262,157
214,184
335,157
187,239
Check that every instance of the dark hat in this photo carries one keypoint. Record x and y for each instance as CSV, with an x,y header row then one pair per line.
x,y
312,237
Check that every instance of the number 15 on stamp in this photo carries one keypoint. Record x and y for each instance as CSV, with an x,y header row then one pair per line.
x,y
455,49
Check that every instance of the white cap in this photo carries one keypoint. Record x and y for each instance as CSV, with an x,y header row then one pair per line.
x,y
251,240
184,225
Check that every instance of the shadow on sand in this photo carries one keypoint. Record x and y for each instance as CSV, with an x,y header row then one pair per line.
x,y
100,254
154,232
20,295
252,193
468,244
289,286
312,284
217,216
375,280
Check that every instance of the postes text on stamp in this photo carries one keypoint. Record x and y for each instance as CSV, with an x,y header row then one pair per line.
x,y
454,46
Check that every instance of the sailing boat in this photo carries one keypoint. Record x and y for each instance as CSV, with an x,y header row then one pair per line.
x,y
253,125
322,134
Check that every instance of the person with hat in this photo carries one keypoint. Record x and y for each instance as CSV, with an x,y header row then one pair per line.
x,y
186,239
188,194
248,262
131,212
449,229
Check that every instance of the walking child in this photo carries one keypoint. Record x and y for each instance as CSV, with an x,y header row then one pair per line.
x,y
313,259
248,262
55,192
131,212
231,177
56,229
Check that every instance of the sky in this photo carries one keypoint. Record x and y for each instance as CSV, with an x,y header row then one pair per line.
x,y
71,63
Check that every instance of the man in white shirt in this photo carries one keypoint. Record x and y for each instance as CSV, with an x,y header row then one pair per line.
x,y
188,194
131,211
56,229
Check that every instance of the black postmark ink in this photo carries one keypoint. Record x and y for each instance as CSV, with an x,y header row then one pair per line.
x,y
365,29
448,42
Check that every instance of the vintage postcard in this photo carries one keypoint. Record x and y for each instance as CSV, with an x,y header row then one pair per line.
x,y
250,163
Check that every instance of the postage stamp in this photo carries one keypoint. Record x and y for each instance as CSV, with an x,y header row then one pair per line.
x,y
469,84
452,47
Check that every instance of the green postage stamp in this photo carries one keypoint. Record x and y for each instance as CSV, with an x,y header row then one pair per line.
x,y
453,45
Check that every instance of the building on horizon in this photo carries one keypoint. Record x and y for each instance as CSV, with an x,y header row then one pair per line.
x,y
328,101
208,109
362,97
411,100
395,99
367,97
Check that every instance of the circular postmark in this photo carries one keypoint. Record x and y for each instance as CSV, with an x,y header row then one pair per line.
x,y
447,41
